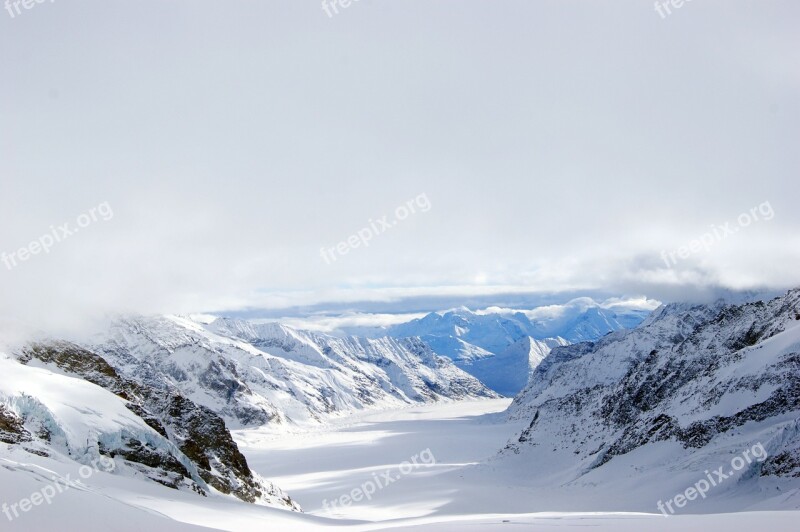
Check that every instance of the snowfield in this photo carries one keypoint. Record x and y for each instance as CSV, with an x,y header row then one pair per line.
x,y
452,494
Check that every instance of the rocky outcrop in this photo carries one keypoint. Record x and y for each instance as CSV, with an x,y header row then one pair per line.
x,y
12,428
198,434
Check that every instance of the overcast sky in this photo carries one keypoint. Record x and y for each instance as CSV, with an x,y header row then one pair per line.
x,y
554,145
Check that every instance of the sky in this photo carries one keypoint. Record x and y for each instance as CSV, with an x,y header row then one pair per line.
x,y
225,157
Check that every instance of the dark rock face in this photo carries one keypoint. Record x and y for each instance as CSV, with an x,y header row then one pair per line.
x,y
12,428
198,432
785,464
689,374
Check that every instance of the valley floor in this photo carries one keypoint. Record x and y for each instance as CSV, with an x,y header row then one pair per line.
x,y
320,466
445,490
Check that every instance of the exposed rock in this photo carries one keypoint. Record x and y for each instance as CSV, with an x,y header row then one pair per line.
x,y
12,429
696,375
200,434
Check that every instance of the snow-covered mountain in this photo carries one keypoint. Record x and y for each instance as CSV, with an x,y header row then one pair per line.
x,y
583,321
464,334
256,374
63,402
502,346
508,372
655,408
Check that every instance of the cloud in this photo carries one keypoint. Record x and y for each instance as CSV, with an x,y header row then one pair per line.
x,y
560,154
576,306
339,324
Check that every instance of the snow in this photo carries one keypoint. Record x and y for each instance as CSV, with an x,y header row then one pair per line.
x,y
571,400
78,414
324,463
536,465
508,372
493,345
330,462
253,374
87,505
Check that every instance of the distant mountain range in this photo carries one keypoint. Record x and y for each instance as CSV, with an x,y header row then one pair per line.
x,y
502,346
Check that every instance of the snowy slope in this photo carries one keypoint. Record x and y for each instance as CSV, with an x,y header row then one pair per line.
x,y
495,345
463,335
81,504
47,412
652,408
72,416
268,373
508,372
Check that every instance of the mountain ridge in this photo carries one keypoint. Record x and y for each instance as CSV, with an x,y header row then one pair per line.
x,y
688,387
